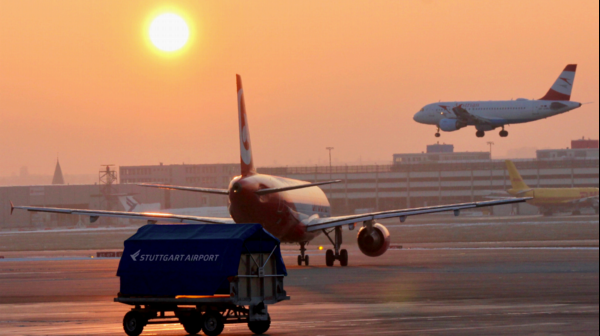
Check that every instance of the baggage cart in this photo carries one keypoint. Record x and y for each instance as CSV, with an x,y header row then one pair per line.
x,y
201,302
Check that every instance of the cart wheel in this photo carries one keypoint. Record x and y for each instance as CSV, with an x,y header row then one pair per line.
x,y
193,324
259,327
134,323
193,328
330,258
344,258
212,324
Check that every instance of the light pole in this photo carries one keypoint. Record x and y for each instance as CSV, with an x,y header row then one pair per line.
x,y
492,165
491,144
330,149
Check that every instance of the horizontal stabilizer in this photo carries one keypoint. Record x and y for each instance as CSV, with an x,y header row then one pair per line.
x,y
192,189
303,186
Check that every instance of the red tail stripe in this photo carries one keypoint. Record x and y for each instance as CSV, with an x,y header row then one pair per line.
x,y
554,95
571,67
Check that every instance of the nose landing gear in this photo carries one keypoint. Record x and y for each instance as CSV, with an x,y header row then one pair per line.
x,y
303,258
341,255
437,135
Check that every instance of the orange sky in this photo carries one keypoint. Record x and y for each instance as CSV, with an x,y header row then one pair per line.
x,y
78,78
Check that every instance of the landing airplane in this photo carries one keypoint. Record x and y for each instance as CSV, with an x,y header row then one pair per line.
x,y
490,115
556,199
293,211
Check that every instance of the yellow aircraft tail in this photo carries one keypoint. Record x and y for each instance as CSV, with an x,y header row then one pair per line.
x,y
515,178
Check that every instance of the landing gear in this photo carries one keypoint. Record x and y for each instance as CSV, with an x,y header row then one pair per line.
x,y
437,135
503,133
303,258
480,134
341,255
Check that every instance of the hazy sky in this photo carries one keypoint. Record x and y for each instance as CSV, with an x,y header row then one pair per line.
x,y
79,78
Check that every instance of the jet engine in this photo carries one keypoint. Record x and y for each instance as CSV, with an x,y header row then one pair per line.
x,y
376,243
451,125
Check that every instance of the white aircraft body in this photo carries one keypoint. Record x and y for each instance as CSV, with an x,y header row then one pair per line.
x,y
132,205
490,115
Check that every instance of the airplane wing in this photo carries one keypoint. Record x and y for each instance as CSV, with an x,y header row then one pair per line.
x,y
327,223
471,119
151,217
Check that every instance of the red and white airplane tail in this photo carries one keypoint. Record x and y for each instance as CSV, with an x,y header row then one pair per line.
x,y
561,90
247,161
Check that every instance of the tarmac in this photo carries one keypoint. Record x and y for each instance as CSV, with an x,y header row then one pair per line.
x,y
461,278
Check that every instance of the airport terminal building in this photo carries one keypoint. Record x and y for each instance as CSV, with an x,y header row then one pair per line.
x,y
438,176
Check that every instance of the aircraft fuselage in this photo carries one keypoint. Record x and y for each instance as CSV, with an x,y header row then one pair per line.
x,y
282,214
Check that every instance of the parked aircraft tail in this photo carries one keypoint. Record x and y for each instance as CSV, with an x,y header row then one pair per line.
x,y
562,88
129,203
515,177
247,161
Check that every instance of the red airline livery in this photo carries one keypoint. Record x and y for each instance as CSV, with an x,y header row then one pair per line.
x,y
293,211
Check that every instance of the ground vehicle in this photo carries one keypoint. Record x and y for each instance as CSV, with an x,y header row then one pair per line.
x,y
215,275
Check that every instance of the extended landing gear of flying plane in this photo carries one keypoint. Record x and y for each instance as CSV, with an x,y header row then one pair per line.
x,y
503,133
303,258
341,255
480,134
437,135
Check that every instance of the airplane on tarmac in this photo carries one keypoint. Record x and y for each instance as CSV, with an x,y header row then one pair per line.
x,y
550,200
490,115
293,211
130,204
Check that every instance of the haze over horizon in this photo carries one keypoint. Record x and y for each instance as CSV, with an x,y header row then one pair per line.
x,y
78,78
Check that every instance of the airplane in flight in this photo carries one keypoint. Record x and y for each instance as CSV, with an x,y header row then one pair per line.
x,y
291,210
490,115
553,200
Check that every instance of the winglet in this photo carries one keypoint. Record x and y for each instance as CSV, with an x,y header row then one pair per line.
x,y
12,208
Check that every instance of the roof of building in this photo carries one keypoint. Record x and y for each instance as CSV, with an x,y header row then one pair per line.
x,y
58,178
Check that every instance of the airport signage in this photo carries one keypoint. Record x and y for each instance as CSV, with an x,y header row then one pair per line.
x,y
138,256
37,191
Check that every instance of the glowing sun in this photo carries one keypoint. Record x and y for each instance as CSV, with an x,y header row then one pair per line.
x,y
169,32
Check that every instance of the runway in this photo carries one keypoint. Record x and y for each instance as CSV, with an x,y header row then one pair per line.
x,y
459,287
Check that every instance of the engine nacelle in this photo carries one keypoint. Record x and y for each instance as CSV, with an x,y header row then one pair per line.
x,y
451,125
376,243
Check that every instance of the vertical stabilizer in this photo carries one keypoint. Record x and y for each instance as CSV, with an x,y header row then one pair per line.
x,y
515,178
247,161
562,88
129,203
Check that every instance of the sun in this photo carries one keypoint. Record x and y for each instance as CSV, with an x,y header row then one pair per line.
x,y
169,32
